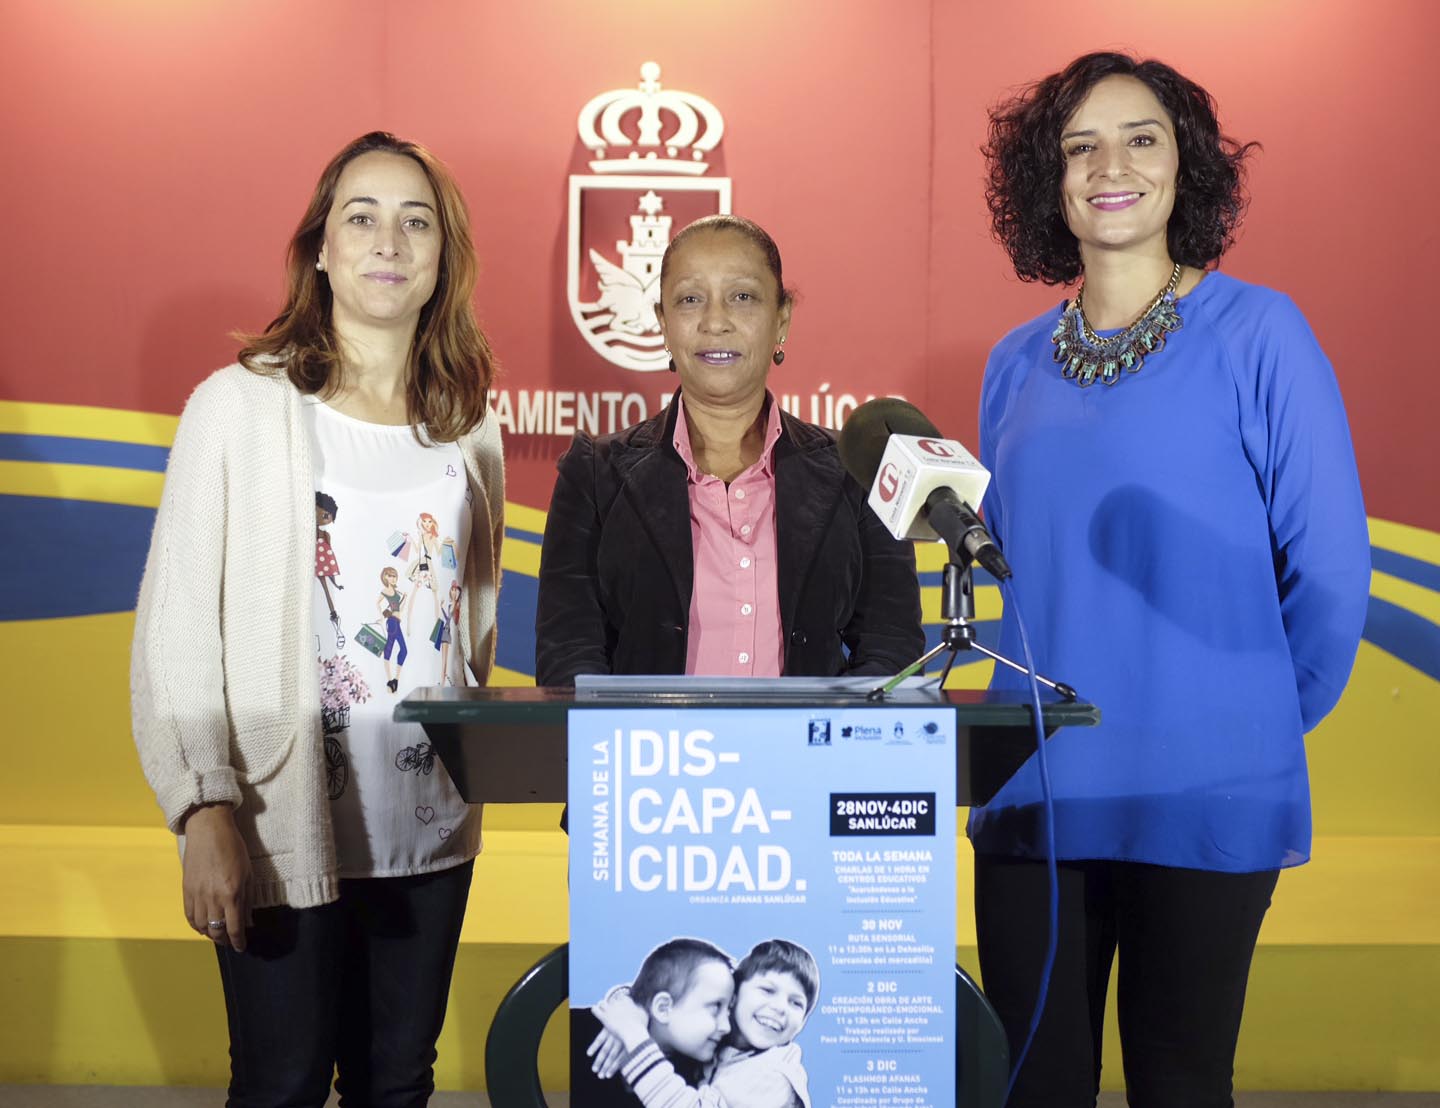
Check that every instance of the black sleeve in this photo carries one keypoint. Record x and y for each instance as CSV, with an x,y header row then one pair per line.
x,y
572,635
884,634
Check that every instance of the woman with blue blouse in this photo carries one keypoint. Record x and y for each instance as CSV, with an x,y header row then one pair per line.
x,y
1176,491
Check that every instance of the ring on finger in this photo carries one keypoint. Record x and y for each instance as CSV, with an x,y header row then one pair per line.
x,y
216,925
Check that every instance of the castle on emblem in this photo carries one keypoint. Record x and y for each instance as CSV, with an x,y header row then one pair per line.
x,y
650,141
629,290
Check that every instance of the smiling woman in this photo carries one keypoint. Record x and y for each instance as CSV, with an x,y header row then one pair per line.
x,y
381,270
1197,517
330,872
722,536
381,251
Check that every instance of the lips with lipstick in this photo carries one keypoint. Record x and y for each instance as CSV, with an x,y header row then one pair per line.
x,y
1114,201
386,277
718,357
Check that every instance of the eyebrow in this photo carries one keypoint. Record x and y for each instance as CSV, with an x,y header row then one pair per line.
x,y
372,200
1123,127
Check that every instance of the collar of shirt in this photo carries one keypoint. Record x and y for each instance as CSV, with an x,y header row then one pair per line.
x,y
765,464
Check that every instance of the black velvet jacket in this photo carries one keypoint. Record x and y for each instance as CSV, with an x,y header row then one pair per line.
x,y
616,567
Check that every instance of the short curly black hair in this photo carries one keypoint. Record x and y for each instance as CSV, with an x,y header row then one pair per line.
x,y
1026,166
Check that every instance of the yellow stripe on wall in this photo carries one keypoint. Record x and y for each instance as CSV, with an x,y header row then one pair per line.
x,y
931,557
77,421
1407,540
65,481
1424,602
523,518
519,556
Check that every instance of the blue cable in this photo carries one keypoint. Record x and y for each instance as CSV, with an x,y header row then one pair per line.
x,y
1044,768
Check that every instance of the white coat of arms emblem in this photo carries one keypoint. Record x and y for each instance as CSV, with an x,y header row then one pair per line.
x,y
648,147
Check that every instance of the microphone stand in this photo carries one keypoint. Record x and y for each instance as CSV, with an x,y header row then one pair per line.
x,y
957,609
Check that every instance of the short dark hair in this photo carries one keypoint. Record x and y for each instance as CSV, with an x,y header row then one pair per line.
x,y
326,503
780,956
742,226
1025,168
670,968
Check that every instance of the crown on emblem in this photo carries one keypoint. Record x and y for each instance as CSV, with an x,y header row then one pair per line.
x,y
600,131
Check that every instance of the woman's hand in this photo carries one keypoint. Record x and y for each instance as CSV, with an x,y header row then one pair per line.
x,y
622,1017
217,873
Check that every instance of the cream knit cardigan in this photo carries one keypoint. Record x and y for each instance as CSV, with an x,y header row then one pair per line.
x,y
225,691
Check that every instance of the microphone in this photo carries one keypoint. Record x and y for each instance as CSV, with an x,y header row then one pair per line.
x,y
921,485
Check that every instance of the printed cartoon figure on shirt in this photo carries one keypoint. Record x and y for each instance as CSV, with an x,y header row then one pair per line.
x,y
390,605
342,685
426,564
755,1064
327,568
444,631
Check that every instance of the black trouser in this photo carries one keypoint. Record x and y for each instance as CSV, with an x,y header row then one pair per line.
x,y
359,985
1185,939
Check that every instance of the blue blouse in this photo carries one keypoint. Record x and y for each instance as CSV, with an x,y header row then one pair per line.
x,y
1190,553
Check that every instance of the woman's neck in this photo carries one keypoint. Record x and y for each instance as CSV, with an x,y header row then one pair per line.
x,y
726,441
375,367
1120,285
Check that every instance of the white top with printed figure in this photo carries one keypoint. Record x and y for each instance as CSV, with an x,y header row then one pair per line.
x,y
392,528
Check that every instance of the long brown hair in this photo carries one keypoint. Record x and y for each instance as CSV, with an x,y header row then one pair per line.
x,y
448,379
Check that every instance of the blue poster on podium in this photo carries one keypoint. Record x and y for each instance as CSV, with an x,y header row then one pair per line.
x,y
762,907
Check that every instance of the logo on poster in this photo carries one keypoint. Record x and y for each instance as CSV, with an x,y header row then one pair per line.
x,y
649,146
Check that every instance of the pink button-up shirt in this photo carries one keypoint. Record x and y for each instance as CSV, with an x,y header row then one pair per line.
x,y
735,603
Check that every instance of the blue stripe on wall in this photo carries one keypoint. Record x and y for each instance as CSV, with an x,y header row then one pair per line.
x,y
70,557
1411,638
1406,568
515,646
86,558
523,536
89,452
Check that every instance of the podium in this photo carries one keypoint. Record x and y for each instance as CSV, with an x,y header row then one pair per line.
x,y
511,746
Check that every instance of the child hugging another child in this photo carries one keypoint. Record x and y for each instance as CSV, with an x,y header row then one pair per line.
x,y
757,1064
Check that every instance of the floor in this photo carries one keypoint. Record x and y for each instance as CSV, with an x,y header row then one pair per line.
x,y
102,1096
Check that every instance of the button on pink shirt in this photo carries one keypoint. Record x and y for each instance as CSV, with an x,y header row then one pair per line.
x,y
735,603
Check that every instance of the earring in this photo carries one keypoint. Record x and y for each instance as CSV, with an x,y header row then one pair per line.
x,y
779,355
320,265
671,365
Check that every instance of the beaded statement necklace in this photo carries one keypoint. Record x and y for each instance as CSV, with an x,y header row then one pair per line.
x,y
1083,355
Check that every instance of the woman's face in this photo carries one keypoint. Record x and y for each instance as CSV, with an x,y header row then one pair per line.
x,y
382,243
722,318
1121,160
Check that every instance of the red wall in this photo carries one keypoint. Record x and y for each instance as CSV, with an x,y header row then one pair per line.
x,y
158,152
